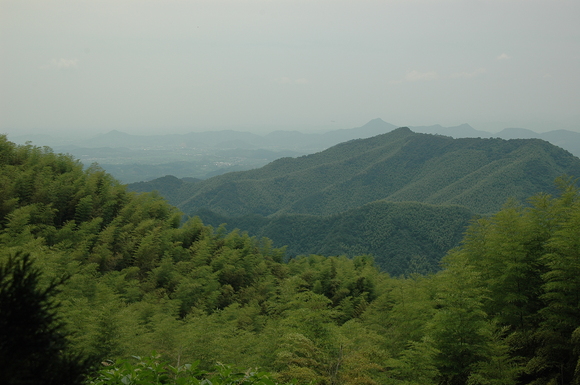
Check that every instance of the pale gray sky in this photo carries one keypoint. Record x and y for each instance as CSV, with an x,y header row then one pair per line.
x,y
144,66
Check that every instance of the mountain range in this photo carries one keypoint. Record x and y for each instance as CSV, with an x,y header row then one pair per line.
x,y
291,140
398,166
331,194
135,158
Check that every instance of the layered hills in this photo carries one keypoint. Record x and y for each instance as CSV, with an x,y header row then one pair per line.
x,y
93,277
133,158
480,174
342,200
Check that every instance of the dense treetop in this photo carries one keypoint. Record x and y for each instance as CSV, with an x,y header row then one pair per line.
x,y
403,237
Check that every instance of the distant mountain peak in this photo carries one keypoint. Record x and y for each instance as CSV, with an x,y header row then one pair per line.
x,y
376,120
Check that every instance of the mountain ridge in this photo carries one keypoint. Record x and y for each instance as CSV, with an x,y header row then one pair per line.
x,y
569,140
135,158
399,166
378,195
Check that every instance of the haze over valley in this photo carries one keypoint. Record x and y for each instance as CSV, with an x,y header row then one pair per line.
x,y
136,158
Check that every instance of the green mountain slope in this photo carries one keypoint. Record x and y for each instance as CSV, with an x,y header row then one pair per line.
x,y
480,174
404,237
121,277
340,201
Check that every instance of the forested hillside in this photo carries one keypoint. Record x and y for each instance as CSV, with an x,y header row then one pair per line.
x,y
316,203
504,310
398,166
403,237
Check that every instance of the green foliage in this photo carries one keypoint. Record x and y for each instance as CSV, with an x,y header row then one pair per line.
x,y
33,345
526,260
462,332
153,370
504,309
414,365
404,237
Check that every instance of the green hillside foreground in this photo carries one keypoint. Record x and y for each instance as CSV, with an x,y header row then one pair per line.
x,y
131,279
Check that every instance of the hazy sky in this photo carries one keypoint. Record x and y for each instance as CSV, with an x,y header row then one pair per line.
x,y
175,65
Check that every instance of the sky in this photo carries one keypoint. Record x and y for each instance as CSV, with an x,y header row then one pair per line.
x,y
176,66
